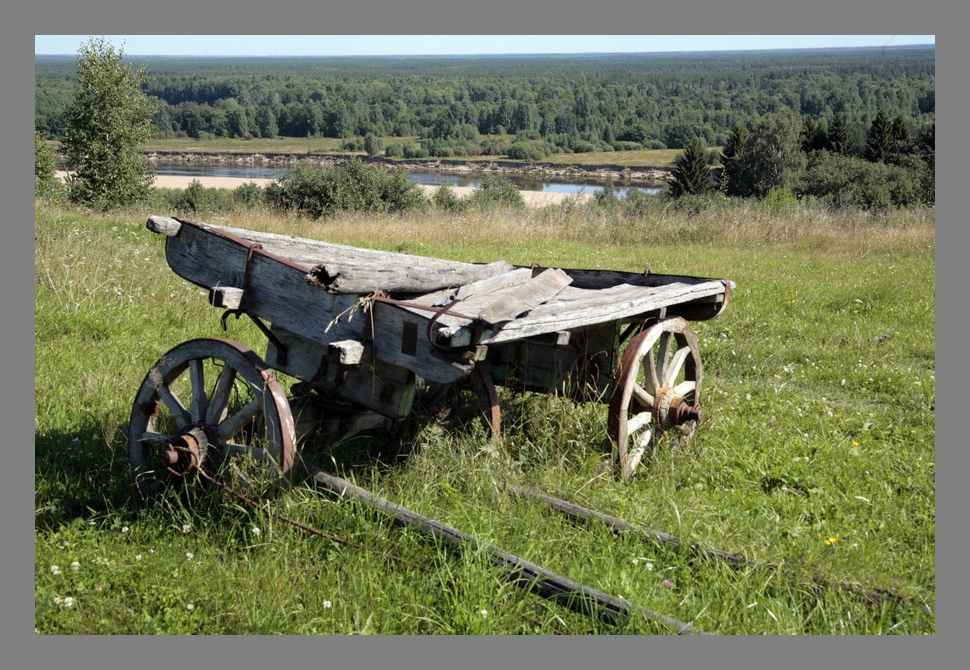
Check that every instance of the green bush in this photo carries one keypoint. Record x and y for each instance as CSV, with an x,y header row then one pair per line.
x,y
496,191
525,151
445,199
46,183
350,187
851,181
248,195
779,201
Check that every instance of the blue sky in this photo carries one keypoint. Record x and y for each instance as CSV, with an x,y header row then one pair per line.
x,y
380,45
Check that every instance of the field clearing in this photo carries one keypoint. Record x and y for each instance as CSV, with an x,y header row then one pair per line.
x,y
298,146
817,450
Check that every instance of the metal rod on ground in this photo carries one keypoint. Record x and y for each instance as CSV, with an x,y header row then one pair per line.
x,y
577,597
577,513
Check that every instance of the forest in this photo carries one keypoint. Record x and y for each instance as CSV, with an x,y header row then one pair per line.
x,y
463,105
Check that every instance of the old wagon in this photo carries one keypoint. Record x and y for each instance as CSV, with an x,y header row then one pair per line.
x,y
374,336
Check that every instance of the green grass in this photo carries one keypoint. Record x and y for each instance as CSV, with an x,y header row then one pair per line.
x,y
817,449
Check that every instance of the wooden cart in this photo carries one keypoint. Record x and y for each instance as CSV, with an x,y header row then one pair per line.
x,y
372,336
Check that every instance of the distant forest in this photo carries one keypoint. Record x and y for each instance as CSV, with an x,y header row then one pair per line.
x,y
460,105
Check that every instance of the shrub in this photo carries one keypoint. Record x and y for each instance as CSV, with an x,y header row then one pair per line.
x,y
350,187
779,201
496,191
847,180
46,183
248,195
525,151
447,200
627,146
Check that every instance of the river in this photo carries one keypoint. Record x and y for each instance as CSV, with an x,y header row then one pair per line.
x,y
524,183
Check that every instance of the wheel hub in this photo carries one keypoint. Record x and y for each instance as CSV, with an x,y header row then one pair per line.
x,y
189,450
670,409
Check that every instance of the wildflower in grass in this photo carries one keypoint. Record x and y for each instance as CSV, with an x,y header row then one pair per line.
x,y
190,607
189,555
69,602
75,566
667,583
327,604
124,529
831,541
484,613
55,570
186,528
255,531
854,443
648,566
137,557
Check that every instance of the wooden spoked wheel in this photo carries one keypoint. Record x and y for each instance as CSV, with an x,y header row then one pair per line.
x,y
658,389
470,399
202,403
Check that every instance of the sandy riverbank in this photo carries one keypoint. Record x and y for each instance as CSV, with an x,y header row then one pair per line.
x,y
532,198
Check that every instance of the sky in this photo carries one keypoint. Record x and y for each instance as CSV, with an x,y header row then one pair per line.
x,y
410,45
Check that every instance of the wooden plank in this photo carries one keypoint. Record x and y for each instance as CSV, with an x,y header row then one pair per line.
x,y
276,292
485,286
575,596
400,338
379,386
577,308
310,253
164,225
390,277
525,297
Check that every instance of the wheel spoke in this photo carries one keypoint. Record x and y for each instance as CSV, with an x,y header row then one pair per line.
x,y
676,365
175,406
642,397
663,356
637,422
686,388
157,438
231,426
200,399
220,397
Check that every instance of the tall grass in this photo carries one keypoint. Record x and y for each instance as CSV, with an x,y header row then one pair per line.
x,y
816,452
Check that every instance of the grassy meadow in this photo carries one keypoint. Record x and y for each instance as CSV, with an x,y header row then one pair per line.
x,y
298,146
816,452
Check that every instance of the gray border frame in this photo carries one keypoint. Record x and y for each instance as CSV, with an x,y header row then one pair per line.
x,y
437,16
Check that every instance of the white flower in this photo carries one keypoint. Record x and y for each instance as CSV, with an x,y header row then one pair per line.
x,y
124,529
189,555
137,557
55,570
190,607
327,604
186,528
636,561
255,531
648,566
69,602
75,566
484,613
58,601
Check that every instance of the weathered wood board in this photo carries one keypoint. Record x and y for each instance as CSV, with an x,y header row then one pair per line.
x,y
523,298
374,384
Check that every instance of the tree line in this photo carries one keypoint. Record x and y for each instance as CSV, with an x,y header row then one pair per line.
x,y
531,106
805,157
781,155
